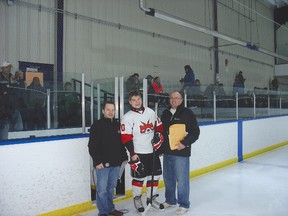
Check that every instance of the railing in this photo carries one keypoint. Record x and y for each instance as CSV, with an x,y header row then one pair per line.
x,y
67,111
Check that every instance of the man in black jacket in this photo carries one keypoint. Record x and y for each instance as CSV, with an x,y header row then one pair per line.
x,y
108,153
180,124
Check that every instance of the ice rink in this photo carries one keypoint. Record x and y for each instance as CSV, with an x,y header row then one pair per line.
x,y
256,187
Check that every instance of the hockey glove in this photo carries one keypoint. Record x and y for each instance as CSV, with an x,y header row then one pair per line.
x,y
137,168
157,140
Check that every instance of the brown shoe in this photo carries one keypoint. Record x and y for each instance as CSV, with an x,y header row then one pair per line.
x,y
116,213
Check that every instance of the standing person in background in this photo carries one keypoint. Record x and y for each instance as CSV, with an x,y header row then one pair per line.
x,y
241,78
176,161
36,98
133,83
238,85
274,84
189,78
138,130
108,153
8,79
7,104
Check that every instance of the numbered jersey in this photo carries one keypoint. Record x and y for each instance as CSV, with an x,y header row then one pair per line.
x,y
138,127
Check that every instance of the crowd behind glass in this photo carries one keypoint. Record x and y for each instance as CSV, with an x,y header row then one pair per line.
x,y
24,105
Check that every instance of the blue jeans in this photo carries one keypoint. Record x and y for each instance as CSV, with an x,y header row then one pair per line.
x,y
106,181
176,170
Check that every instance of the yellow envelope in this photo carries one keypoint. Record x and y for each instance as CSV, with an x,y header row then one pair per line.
x,y
177,132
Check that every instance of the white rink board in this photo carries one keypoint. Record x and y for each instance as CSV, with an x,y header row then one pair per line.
x,y
261,133
44,176
216,143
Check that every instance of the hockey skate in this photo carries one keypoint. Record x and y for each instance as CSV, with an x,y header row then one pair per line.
x,y
138,204
155,203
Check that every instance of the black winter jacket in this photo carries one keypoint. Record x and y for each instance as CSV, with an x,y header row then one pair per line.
x,y
105,144
182,116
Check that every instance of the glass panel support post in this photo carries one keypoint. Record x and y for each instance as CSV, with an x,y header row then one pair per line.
x,y
185,98
254,105
237,106
83,102
116,96
48,110
145,91
98,102
214,106
121,101
92,102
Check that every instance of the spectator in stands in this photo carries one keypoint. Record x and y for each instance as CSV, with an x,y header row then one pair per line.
x,y
238,86
7,77
7,105
36,104
151,92
274,84
20,86
133,83
189,80
159,91
241,79
19,77
157,86
69,107
219,89
219,92
149,80
197,88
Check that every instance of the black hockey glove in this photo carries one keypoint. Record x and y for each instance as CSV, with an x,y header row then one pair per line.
x,y
157,140
137,168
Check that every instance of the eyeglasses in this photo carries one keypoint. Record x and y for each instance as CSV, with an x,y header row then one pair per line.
x,y
175,98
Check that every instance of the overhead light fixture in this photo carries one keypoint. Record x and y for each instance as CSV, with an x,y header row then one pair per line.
x,y
185,23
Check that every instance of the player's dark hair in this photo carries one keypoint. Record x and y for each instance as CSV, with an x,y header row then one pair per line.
x,y
134,93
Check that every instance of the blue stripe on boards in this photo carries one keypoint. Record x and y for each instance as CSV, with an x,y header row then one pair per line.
x,y
41,139
240,140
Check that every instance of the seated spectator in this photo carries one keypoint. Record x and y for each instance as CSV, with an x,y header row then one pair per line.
x,y
219,89
157,86
158,90
36,98
197,90
69,109
219,93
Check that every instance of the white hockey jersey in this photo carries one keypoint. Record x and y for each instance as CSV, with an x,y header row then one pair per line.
x,y
138,127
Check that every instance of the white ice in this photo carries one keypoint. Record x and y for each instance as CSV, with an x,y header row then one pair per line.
x,y
256,187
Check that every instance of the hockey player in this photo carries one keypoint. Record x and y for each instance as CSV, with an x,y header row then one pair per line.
x,y
137,129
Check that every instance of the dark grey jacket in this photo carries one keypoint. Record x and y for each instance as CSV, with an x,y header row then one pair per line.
x,y
182,116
